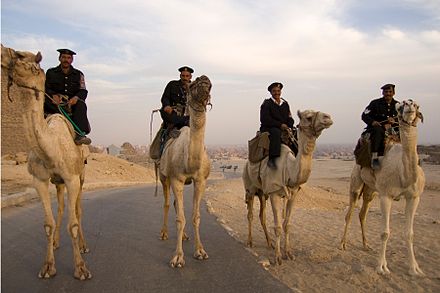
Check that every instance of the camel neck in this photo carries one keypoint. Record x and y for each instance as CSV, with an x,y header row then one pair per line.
x,y
410,158
196,140
36,128
302,166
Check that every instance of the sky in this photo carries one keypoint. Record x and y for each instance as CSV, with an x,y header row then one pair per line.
x,y
331,55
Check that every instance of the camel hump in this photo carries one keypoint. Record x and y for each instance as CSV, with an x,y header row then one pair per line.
x,y
53,119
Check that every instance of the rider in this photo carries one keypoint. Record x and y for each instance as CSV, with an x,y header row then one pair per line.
x,y
68,81
275,116
174,100
380,115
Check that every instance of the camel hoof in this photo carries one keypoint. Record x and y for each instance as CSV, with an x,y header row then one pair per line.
x,y
416,271
343,246
185,237
367,247
200,254
289,255
47,271
82,273
383,270
84,250
177,261
278,260
163,236
249,243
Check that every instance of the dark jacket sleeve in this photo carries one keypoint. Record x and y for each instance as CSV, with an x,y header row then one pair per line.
x,y
266,119
166,96
49,77
82,92
367,115
290,121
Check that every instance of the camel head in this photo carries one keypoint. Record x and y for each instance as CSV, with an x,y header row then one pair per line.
x,y
23,69
408,112
199,93
312,123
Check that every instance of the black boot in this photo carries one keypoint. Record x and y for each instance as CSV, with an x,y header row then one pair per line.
x,y
271,163
79,140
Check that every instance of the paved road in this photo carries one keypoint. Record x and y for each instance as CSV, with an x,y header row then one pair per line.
x,y
122,228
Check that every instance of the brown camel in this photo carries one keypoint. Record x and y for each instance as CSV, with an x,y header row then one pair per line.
x,y
53,157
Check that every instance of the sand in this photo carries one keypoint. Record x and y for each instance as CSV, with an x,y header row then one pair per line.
x,y
316,226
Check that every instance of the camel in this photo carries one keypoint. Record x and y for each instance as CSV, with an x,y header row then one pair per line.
x,y
53,156
285,181
399,175
185,159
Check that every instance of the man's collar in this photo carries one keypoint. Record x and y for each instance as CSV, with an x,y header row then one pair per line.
x,y
275,101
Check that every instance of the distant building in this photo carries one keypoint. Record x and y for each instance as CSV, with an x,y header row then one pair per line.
x,y
113,150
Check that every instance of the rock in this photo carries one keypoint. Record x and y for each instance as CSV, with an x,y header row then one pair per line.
x,y
21,158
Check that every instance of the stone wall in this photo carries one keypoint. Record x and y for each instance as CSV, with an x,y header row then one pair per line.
x,y
13,139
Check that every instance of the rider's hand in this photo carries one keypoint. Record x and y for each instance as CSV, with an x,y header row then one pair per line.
x,y
168,109
73,101
56,99
391,120
375,123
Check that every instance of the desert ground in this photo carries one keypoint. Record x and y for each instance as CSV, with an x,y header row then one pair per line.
x,y
316,226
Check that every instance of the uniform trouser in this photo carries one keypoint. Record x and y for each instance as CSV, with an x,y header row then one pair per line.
x,y
274,141
377,136
174,119
79,114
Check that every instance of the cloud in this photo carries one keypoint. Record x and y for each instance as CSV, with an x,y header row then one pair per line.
x,y
327,60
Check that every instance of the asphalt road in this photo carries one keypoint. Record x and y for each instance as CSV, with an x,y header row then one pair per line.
x,y
122,228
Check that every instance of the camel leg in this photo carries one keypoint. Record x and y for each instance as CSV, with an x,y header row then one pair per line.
x,y
277,210
410,210
368,196
185,237
250,216
356,189
48,269
199,189
286,225
178,259
262,199
60,197
166,208
73,192
82,241
385,206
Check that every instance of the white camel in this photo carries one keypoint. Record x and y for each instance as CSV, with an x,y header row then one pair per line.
x,y
185,159
53,156
285,181
399,176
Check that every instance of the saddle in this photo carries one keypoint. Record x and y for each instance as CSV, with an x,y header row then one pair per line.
x,y
258,147
161,138
362,151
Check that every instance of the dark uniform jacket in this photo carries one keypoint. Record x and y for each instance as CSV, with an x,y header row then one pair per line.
x,y
273,115
173,94
378,110
71,84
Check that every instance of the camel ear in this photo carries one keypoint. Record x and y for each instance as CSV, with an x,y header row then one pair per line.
x,y
419,115
399,108
38,57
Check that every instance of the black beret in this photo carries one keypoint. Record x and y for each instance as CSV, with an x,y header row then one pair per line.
x,y
186,68
388,86
66,51
275,84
